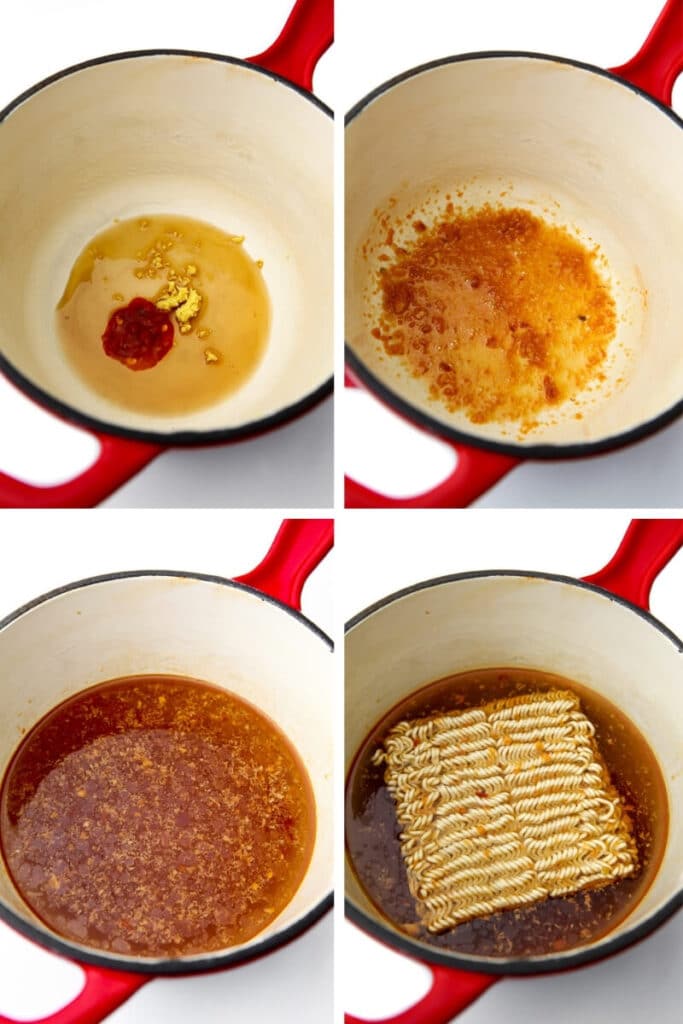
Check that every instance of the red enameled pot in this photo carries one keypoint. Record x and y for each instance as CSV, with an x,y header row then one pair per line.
x,y
246,634
242,144
598,151
598,631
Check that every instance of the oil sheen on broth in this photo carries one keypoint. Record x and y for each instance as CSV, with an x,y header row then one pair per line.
x,y
557,923
156,816
219,337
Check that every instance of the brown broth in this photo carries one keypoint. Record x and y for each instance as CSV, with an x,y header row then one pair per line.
x,y
554,924
138,258
156,816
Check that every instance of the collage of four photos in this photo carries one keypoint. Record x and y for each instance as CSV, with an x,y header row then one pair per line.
x,y
341,390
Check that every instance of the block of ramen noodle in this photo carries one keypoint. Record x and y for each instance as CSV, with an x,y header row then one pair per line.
x,y
503,805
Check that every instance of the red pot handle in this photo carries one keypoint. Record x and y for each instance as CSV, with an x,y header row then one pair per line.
x,y
299,546
648,545
103,992
451,992
475,473
308,32
118,461
659,61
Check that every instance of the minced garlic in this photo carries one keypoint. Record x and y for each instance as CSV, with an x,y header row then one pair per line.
x,y
184,300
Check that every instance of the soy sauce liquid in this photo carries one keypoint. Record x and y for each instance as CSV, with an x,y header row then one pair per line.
x,y
554,924
228,338
156,816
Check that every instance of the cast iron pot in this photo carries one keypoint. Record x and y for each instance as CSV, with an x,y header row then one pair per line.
x,y
599,150
598,631
241,144
246,635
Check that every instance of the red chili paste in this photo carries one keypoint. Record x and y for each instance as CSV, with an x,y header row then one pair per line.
x,y
139,335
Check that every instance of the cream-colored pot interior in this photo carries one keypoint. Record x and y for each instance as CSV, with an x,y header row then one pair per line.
x,y
184,135
576,147
156,624
500,620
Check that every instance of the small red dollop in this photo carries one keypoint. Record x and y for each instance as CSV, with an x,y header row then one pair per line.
x,y
139,335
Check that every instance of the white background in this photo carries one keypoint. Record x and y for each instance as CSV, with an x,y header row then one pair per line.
x,y
382,553
291,466
40,551
385,38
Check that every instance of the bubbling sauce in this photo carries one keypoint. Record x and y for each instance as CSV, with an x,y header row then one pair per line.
x,y
551,925
502,314
201,280
156,816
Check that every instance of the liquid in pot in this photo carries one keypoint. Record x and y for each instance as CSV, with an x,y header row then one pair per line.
x,y
209,291
156,816
554,924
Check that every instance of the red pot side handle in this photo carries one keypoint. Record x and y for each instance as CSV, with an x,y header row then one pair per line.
x,y
102,993
299,546
659,61
648,545
308,32
451,992
475,473
117,462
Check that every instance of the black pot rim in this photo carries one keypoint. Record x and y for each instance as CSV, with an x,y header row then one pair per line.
x,y
180,438
203,962
513,966
430,423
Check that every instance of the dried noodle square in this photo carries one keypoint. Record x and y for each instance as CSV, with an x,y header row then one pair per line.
x,y
503,805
